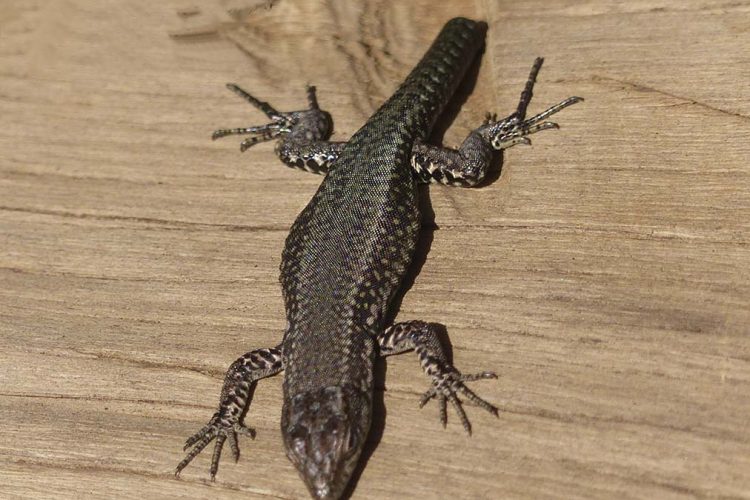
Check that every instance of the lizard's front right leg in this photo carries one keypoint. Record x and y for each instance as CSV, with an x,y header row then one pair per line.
x,y
225,424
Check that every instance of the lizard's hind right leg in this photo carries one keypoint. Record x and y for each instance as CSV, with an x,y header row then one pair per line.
x,y
303,133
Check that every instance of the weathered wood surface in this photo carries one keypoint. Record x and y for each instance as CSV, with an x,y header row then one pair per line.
x,y
605,275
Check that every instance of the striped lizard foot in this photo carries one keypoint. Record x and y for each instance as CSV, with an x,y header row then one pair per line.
x,y
447,382
312,123
226,422
447,385
222,428
468,165
514,129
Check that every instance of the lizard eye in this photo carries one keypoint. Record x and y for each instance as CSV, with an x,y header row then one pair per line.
x,y
299,446
351,443
298,437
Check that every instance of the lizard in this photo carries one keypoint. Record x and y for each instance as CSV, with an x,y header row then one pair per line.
x,y
346,256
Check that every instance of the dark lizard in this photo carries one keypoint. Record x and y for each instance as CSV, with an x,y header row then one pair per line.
x,y
346,256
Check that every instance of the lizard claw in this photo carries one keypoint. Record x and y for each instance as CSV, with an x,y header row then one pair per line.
x,y
514,130
221,429
445,389
281,123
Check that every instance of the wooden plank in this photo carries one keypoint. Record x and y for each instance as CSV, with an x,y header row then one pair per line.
x,y
605,274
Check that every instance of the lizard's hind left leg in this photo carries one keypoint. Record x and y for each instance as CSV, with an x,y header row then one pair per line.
x,y
303,134
468,165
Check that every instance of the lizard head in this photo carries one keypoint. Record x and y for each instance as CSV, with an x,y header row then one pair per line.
x,y
324,431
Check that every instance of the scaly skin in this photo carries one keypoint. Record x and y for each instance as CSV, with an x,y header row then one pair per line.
x,y
346,256
344,259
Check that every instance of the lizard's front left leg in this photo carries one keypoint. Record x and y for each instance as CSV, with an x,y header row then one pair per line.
x,y
447,382
225,424
303,134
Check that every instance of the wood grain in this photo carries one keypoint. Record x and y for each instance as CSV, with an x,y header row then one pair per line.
x,y
605,275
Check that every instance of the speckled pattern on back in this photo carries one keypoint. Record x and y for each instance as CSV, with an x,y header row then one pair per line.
x,y
346,256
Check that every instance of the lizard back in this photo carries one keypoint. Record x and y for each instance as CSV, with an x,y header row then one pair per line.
x,y
346,255
349,249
